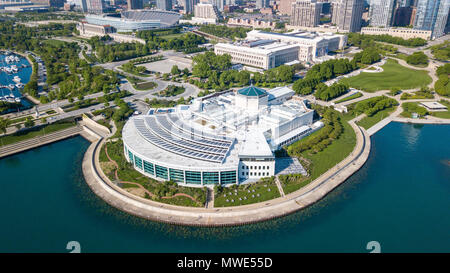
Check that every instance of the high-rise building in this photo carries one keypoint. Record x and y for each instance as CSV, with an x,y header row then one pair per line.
x,y
402,16
83,5
381,13
347,15
135,4
286,6
95,6
306,13
208,11
432,15
218,3
189,5
164,4
262,4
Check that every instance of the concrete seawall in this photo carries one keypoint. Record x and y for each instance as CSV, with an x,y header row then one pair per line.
x,y
230,216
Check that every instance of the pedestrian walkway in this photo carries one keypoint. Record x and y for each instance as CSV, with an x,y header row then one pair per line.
x,y
39,141
280,188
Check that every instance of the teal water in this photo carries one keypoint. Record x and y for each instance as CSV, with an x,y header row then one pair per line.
x,y
400,198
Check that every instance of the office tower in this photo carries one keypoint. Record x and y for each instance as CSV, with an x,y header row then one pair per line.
x,y
164,4
286,6
262,4
306,13
189,5
83,5
402,16
135,4
95,6
347,15
381,13
218,3
208,11
432,15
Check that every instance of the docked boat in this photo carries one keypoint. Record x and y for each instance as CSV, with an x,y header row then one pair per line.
x,y
11,86
17,79
19,85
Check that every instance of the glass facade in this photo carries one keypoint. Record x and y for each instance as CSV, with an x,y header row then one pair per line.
x,y
149,168
180,175
130,156
176,175
210,178
161,172
228,177
193,177
138,162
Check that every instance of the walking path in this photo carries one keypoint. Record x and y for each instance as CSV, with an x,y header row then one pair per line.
x,y
39,141
239,215
280,188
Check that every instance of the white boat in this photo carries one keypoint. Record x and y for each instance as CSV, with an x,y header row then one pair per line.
x,y
17,99
17,79
11,86
19,85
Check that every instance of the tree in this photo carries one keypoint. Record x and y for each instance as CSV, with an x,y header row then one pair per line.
x,y
29,122
417,58
175,70
4,123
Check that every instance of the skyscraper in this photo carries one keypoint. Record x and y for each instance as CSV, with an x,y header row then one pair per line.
x,y
306,13
347,14
262,3
218,3
286,6
381,13
164,4
95,6
135,4
432,15
189,5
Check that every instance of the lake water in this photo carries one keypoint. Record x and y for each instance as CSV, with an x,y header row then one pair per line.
x,y
399,198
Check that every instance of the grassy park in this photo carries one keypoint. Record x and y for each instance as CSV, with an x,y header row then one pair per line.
x,y
245,194
368,122
354,96
163,191
393,75
318,163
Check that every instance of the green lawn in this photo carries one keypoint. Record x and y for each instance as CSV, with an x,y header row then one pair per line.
x,y
128,173
354,96
145,85
263,190
322,161
368,122
394,75
27,134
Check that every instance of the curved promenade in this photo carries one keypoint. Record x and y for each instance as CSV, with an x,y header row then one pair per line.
x,y
230,216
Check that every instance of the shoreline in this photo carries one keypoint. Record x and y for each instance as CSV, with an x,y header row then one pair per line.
x,y
227,216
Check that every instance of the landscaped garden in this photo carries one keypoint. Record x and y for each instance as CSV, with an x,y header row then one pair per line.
x,y
263,190
393,74
315,156
136,183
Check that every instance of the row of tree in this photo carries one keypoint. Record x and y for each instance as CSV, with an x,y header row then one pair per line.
x,y
442,85
321,139
364,40
373,105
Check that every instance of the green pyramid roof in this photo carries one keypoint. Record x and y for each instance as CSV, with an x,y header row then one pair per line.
x,y
252,91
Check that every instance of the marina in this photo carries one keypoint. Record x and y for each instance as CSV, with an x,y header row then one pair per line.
x,y
15,72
